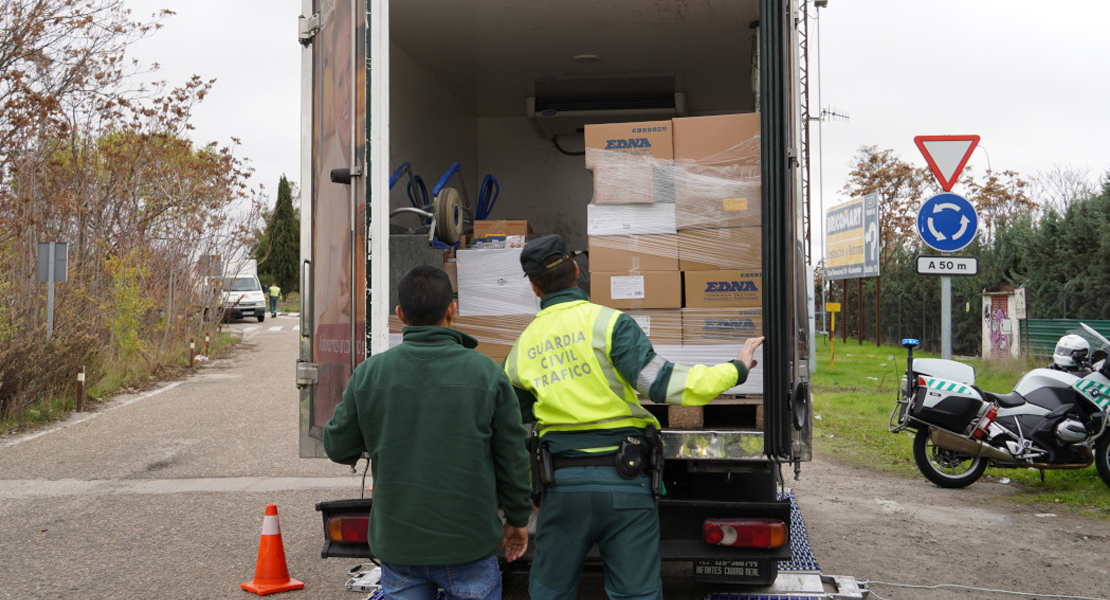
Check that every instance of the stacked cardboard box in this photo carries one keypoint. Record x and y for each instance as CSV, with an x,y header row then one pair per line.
x,y
674,234
633,246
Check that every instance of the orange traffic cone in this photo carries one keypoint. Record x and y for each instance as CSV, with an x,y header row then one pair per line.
x,y
271,575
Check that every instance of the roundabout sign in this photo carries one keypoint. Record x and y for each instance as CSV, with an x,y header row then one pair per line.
x,y
947,222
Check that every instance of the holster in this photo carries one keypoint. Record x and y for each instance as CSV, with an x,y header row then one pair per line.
x,y
542,471
655,459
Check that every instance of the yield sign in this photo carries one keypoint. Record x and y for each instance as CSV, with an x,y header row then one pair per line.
x,y
947,155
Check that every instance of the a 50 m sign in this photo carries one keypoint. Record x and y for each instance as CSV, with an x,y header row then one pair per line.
x,y
852,239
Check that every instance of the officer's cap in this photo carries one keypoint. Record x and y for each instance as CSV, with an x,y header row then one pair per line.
x,y
544,253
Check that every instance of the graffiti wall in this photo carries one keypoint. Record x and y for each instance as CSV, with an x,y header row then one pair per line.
x,y
1002,312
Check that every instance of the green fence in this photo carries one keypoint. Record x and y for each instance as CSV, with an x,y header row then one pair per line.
x,y
1040,335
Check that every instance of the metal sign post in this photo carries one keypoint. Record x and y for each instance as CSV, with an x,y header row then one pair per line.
x,y
946,222
832,308
52,266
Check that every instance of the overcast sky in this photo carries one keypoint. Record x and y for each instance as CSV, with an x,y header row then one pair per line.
x,y
1031,78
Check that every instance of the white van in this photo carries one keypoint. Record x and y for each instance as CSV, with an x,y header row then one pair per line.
x,y
242,296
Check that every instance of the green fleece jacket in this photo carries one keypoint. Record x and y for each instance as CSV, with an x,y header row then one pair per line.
x,y
442,427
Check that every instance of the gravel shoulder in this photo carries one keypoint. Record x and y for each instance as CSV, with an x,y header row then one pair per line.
x,y
882,527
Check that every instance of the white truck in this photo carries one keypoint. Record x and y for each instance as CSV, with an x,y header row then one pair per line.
x,y
392,89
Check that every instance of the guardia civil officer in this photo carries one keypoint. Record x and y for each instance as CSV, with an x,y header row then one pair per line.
x,y
576,370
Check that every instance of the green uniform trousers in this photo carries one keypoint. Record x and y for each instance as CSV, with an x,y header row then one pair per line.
x,y
588,505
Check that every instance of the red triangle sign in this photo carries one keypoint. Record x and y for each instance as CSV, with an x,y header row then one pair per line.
x,y
947,155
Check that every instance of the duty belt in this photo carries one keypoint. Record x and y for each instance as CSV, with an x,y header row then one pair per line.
x,y
559,461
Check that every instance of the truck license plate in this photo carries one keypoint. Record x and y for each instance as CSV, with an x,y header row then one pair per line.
x,y
728,570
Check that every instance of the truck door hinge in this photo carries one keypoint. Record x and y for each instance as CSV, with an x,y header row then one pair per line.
x,y
307,374
307,28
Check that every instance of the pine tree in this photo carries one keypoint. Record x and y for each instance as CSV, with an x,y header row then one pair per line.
x,y
285,240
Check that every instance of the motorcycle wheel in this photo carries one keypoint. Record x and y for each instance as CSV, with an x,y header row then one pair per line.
x,y
946,468
1102,457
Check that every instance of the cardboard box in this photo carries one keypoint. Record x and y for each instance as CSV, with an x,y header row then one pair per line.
x,y
721,325
647,289
634,253
717,139
709,197
495,335
501,228
609,140
723,289
628,219
451,267
628,182
717,171
491,282
662,326
720,249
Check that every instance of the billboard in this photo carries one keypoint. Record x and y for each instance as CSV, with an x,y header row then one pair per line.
x,y
852,239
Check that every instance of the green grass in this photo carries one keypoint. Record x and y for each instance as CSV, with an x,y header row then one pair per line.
x,y
291,303
854,391
99,386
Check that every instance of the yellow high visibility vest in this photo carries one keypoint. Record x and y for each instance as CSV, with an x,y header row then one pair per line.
x,y
562,358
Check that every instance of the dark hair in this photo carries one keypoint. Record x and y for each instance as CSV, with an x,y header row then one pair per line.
x,y
424,294
559,277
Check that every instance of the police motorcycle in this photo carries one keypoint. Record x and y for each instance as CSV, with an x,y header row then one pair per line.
x,y
1055,417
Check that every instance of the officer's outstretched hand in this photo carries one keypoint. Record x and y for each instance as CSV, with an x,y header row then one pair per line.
x,y
747,353
515,542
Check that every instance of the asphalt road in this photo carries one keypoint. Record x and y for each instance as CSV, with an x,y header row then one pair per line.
x,y
161,493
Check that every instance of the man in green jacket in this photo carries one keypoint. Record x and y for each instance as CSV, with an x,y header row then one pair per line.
x,y
442,427
577,369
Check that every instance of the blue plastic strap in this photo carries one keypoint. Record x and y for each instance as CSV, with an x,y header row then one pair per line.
x,y
487,197
454,168
397,174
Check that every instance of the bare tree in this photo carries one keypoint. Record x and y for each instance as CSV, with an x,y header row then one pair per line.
x,y
90,156
1060,186
998,199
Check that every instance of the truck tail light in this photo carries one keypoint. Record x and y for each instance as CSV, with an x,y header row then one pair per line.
x,y
745,533
348,528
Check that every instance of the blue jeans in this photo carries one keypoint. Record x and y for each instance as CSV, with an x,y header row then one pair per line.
x,y
479,580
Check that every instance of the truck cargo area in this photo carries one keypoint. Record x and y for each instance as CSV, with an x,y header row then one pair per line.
x,y
471,83
660,140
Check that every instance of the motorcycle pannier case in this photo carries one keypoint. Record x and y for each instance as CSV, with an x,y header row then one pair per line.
x,y
954,412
